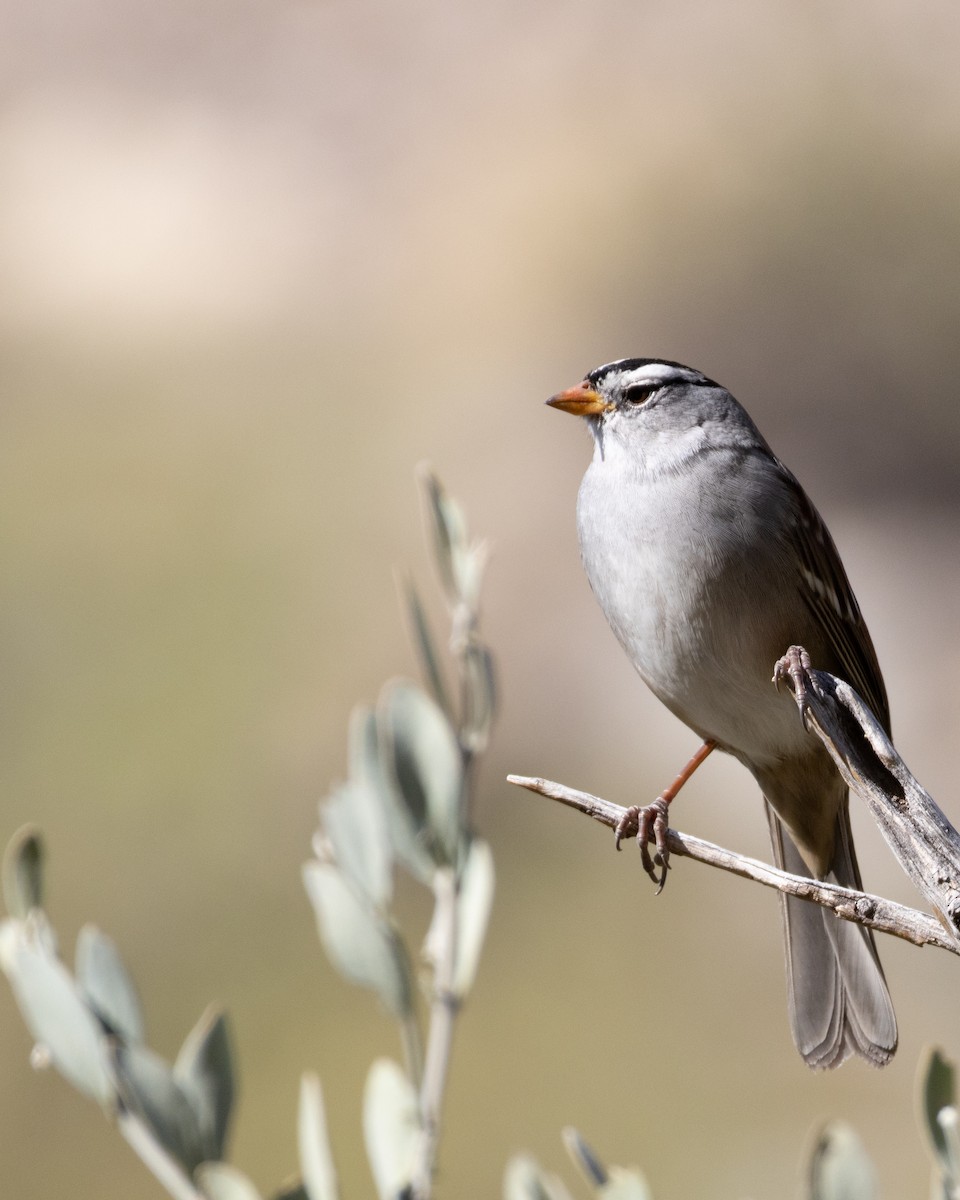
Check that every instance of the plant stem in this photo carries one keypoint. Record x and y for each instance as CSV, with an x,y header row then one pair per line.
x,y
443,1012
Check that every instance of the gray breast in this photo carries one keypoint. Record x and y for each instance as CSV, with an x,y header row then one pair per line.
x,y
694,582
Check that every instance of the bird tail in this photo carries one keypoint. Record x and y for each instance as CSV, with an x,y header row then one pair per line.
x,y
837,995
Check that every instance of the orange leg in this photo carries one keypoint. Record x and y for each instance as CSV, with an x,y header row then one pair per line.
x,y
650,822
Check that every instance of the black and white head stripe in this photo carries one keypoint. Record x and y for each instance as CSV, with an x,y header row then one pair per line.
x,y
646,373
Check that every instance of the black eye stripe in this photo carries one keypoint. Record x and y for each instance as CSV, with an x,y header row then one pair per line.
x,y
663,372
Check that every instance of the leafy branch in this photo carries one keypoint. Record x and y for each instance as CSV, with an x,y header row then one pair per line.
x,y
89,1025
404,806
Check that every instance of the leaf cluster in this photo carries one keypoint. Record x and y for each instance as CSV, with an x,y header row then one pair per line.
x,y
404,807
89,1025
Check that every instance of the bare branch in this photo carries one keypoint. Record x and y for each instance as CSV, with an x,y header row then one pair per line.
x,y
886,916
925,843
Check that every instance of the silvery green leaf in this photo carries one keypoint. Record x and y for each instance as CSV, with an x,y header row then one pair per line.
x,y
450,544
355,822
937,1091
164,1167
480,697
363,750
584,1157
204,1073
220,1181
426,651
470,575
625,1184
360,942
391,1128
425,760
839,1166
106,985
473,912
609,1183
23,872
150,1091
316,1159
369,767
443,923
291,1191
53,1009
947,1119
524,1179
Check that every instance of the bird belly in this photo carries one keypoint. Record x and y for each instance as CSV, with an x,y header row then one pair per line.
x,y
708,662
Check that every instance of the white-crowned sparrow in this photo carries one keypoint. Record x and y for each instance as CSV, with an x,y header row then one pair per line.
x,y
708,560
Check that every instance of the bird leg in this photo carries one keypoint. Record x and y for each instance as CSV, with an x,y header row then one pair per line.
x,y
650,822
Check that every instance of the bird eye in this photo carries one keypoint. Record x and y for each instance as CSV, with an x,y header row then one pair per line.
x,y
638,394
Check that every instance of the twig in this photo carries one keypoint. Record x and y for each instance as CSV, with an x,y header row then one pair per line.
x,y
412,1044
443,1013
925,843
875,912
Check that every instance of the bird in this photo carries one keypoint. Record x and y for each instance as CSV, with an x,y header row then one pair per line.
x,y
708,558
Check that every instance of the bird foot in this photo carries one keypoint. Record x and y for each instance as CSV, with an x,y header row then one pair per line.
x,y
648,822
652,820
795,666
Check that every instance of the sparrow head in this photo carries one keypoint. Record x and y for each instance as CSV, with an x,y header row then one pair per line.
x,y
626,384
658,412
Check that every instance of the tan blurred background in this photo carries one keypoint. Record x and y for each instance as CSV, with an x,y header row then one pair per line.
x,y
257,261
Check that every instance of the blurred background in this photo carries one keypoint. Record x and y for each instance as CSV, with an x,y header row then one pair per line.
x,y
257,261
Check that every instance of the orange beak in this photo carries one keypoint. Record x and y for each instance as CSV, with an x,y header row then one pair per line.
x,y
581,400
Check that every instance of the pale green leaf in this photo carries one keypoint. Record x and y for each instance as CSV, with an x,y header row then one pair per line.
x,y
449,530
473,913
947,1119
53,1009
363,749
150,1091
480,697
937,1091
425,760
369,767
204,1072
839,1166
316,1158
424,645
23,872
291,1191
524,1179
355,822
221,1181
584,1157
391,1128
625,1183
359,941
106,984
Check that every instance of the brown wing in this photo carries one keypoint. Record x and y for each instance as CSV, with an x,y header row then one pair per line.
x,y
834,607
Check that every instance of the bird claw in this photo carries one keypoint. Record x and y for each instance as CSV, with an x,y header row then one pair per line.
x,y
796,666
651,820
627,826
